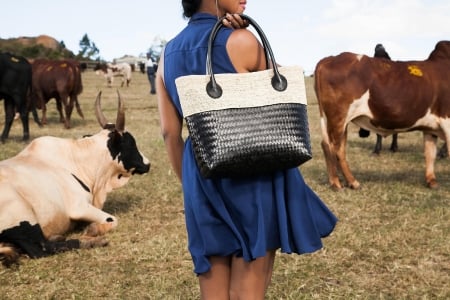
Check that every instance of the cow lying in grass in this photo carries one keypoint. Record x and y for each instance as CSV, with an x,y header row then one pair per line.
x,y
55,183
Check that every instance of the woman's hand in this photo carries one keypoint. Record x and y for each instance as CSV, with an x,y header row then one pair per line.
x,y
234,21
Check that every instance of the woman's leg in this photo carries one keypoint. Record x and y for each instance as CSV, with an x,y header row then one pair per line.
x,y
215,284
250,280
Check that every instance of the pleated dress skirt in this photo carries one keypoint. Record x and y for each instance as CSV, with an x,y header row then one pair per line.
x,y
246,217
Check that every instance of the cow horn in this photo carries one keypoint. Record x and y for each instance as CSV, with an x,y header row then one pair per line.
x,y
98,112
120,121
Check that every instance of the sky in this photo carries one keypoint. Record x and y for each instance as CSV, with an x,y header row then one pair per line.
x,y
299,32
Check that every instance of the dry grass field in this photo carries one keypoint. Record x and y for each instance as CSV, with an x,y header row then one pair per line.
x,y
392,240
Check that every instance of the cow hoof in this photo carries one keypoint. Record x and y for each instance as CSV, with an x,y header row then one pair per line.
x,y
354,185
96,229
9,255
433,184
336,187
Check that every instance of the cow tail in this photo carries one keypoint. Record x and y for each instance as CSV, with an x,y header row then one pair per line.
x,y
318,90
79,82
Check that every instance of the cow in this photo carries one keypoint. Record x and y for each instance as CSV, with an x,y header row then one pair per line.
x,y
58,79
114,70
83,66
55,183
380,52
385,97
15,87
142,68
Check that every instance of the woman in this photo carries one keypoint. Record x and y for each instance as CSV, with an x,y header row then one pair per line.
x,y
234,226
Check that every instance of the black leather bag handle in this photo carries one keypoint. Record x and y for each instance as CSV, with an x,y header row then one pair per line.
x,y
213,89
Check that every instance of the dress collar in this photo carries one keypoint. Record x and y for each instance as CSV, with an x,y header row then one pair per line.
x,y
199,17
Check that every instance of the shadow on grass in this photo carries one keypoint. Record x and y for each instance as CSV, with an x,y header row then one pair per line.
x,y
119,203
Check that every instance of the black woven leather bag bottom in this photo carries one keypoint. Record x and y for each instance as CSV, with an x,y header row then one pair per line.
x,y
242,142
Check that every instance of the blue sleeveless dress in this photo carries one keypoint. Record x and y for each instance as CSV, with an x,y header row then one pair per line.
x,y
241,217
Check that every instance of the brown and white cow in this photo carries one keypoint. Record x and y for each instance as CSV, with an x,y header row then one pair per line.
x,y
54,183
58,79
115,70
385,97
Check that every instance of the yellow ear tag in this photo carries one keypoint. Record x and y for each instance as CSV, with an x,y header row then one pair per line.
x,y
415,70
14,59
63,65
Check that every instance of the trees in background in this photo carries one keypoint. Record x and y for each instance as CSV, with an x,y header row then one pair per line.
x,y
88,49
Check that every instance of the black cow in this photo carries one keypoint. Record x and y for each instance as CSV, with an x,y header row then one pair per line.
x,y
380,52
15,87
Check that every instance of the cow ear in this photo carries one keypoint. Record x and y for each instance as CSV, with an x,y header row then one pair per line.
x,y
114,143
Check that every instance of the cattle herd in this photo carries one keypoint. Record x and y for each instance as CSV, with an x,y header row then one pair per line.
x,y
377,94
70,190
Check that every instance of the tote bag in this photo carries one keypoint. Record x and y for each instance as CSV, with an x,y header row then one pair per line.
x,y
246,124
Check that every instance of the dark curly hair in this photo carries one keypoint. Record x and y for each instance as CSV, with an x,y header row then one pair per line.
x,y
190,7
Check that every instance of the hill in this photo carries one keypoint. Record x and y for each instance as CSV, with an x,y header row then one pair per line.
x,y
42,46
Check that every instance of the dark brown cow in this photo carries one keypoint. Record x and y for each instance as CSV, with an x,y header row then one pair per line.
x,y
385,97
59,79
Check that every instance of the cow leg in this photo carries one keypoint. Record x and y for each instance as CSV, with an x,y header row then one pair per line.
x,y
330,158
100,222
341,156
41,103
394,145
331,162
92,242
109,80
59,243
59,108
443,151
68,107
9,118
25,124
9,254
35,116
378,145
430,142
21,103
362,132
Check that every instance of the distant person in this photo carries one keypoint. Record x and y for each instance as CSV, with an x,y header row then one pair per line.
x,y
380,52
150,66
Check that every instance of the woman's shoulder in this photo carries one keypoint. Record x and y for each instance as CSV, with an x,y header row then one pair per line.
x,y
243,36
245,51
